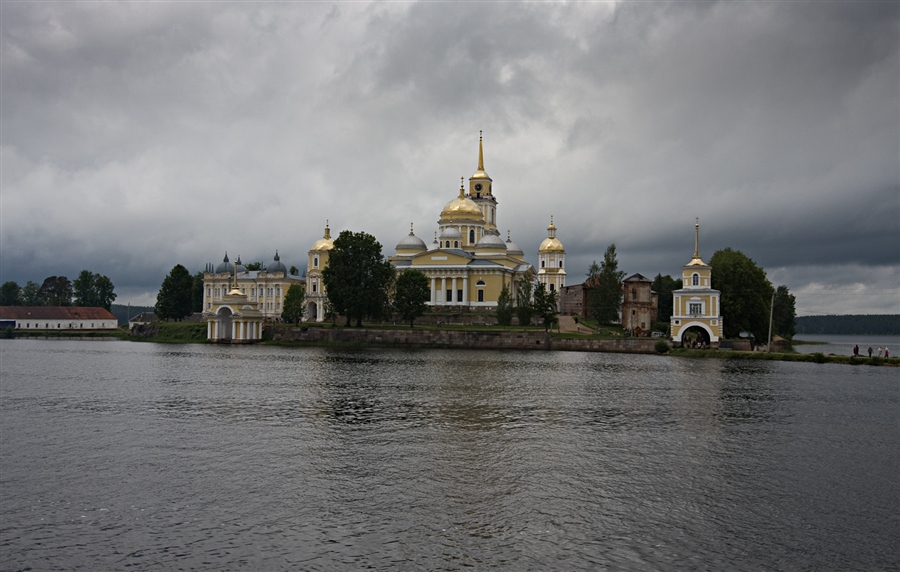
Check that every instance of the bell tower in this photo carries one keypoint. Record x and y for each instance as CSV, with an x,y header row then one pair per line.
x,y
480,191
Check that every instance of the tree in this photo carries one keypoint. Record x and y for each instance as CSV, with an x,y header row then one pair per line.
x,y
545,303
664,286
93,290
411,292
357,277
505,307
604,298
745,294
294,271
254,266
31,294
524,307
197,292
10,294
293,304
174,298
56,291
784,313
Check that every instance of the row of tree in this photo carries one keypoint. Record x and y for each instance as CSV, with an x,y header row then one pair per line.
x,y
89,289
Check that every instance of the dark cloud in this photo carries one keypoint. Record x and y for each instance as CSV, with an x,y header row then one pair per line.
x,y
140,135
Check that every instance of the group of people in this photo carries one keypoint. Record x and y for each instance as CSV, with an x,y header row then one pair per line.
x,y
885,353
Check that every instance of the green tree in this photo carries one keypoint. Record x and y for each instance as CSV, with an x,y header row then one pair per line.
x,y
357,278
664,286
524,305
292,311
56,291
31,294
784,314
93,290
10,294
197,292
294,271
745,294
604,297
411,293
83,288
173,302
545,303
257,266
505,308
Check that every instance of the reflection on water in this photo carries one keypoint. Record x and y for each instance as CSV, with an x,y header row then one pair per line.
x,y
123,455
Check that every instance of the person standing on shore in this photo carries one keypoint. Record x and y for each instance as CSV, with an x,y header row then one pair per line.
x,y
886,352
870,351
856,350
879,351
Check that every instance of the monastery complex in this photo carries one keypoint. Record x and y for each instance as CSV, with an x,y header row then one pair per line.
x,y
467,264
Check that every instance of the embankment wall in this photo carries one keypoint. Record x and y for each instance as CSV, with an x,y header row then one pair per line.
x,y
524,340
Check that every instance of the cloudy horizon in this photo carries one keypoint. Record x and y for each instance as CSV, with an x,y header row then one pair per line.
x,y
135,136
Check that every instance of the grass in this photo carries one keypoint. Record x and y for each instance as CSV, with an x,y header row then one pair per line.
x,y
174,333
817,357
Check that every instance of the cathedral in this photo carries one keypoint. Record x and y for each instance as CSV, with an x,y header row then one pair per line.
x,y
467,264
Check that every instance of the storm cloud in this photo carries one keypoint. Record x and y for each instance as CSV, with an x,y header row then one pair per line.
x,y
136,136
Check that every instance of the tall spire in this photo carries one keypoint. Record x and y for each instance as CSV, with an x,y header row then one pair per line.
x,y
480,152
462,192
697,239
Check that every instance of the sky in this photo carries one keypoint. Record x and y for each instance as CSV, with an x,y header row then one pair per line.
x,y
135,136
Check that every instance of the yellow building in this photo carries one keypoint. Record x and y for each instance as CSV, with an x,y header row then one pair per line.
x,y
696,306
266,287
467,264
551,268
315,289
233,316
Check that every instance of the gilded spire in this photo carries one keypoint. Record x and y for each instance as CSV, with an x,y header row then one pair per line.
x,y
327,234
411,233
697,239
462,192
480,152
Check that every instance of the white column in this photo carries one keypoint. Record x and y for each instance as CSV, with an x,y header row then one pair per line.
x,y
453,287
433,290
209,330
465,289
444,289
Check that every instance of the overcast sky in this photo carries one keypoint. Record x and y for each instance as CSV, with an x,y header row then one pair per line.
x,y
140,135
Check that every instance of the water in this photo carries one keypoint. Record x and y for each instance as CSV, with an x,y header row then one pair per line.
x,y
843,344
123,455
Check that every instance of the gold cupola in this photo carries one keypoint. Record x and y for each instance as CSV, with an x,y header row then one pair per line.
x,y
326,242
696,260
551,243
480,181
461,208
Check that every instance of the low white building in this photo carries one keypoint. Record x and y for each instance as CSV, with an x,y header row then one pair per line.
x,y
58,318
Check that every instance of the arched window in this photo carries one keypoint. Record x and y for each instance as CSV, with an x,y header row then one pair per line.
x,y
480,285
551,287
472,236
455,244
696,279
560,262
316,262
542,263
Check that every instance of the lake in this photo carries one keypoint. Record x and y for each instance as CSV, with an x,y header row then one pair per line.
x,y
201,457
842,345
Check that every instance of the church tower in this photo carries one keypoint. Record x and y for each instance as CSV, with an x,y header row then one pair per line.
x,y
696,306
481,192
315,287
551,268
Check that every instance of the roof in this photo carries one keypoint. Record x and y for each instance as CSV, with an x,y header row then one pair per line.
x,y
54,313
638,277
144,318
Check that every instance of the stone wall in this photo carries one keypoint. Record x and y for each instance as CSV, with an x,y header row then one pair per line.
x,y
524,340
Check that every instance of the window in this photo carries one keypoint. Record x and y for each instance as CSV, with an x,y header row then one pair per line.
x,y
633,294
481,295
316,262
449,297
696,309
455,244
542,263
314,287
560,262
459,295
696,279
472,236
551,287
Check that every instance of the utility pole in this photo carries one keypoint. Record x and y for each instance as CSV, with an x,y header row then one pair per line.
x,y
771,313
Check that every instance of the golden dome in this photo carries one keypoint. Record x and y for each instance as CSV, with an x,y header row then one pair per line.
x,y
326,242
551,244
462,208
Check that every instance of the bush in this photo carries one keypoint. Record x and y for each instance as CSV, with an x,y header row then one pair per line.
x,y
819,357
661,346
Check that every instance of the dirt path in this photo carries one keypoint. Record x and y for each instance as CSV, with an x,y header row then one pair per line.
x,y
567,324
